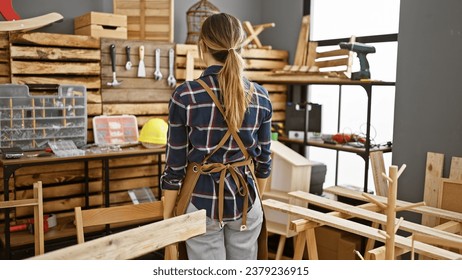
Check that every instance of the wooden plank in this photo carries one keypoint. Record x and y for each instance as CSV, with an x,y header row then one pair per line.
x,y
359,229
58,40
431,211
94,109
90,82
282,55
53,68
28,24
101,216
36,170
275,88
303,38
433,181
375,217
5,69
332,63
53,53
379,252
56,177
133,183
450,197
132,84
135,242
378,167
119,95
64,190
331,53
96,18
456,169
136,109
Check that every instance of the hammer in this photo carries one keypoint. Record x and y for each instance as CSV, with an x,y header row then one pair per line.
x,y
113,64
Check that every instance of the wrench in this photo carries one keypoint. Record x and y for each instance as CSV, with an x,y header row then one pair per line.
x,y
171,60
157,73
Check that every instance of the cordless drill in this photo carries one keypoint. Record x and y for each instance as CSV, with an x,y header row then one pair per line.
x,y
361,51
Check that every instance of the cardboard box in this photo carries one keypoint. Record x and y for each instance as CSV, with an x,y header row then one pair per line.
x,y
99,25
334,244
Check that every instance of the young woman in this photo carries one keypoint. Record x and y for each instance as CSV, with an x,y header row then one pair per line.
x,y
224,143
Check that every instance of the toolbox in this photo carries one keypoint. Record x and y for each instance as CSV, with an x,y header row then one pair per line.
x,y
115,130
29,122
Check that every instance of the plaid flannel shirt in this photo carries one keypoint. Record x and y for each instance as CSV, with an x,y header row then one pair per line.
x,y
196,126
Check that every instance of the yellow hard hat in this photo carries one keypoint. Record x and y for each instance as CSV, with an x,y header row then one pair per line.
x,y
154,133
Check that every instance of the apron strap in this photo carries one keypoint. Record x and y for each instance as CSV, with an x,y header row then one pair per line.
x,y
241,184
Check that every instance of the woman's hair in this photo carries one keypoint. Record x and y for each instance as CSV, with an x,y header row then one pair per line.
x,y
222,35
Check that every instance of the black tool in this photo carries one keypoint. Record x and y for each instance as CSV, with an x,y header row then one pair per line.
x,y
361,51
128,65
114,82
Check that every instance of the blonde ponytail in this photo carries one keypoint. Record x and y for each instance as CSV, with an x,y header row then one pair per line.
x,y
222,35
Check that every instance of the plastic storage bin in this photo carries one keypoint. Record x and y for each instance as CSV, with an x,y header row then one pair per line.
x,y
29,122
115,130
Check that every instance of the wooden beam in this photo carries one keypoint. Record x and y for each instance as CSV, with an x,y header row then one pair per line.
x,y
433,211
135,242
359,229
374,217
379,252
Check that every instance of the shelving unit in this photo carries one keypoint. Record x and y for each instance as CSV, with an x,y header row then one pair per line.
x,y
304,80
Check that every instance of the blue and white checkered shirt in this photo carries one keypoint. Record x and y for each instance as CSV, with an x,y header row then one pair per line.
x,y
196,126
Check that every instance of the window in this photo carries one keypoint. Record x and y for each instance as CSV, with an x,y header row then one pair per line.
x,y
331,19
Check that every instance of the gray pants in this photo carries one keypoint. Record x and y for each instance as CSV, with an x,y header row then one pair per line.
x,y
227,243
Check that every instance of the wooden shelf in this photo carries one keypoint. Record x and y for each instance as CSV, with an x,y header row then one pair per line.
x,y
337,147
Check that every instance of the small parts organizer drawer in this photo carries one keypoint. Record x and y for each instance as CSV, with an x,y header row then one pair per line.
x,y
31,121
115,130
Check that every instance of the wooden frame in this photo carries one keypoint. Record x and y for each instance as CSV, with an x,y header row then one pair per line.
x,y
150,211
37,203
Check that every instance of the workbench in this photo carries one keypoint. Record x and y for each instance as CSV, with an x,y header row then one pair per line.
x,y
11,165
306,79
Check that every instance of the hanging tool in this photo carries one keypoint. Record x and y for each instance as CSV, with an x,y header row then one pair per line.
x,y
157,73
128,65
171,60
113,65
361,51
141,67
